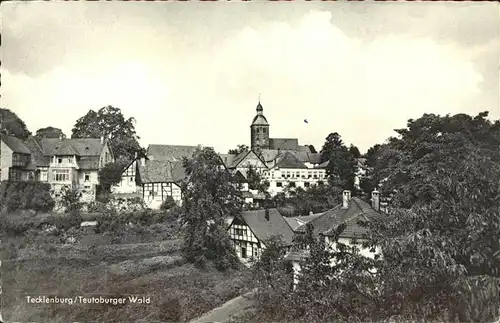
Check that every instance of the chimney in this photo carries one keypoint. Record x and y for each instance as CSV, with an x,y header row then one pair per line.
x,y
376,200
143,161
102,140
346,196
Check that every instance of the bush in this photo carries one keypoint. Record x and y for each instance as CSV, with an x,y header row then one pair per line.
x,y
28,195
168,203
67,221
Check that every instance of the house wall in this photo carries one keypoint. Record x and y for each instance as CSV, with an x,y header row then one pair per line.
x,y
347,241
245,242
155,193
128,180
280,178
106,156
5,161
251,160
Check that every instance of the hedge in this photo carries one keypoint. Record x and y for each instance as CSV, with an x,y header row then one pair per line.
x,y
26,195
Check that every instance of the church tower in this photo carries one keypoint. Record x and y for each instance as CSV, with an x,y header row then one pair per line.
x,y
259,130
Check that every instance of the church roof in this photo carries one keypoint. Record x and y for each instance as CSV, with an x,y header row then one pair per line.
x,y
259,120
284,143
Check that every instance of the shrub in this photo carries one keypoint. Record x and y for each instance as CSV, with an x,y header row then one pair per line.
x,y
168,203
67,221
26,195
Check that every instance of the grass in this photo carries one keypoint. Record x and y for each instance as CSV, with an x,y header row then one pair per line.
x,y
38,264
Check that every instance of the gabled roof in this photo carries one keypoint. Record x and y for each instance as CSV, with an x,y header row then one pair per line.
x,y
323,164
241,156
263,228
227,159
37,156
161,171
15,144
73,146
270,155
88,162
288,160
284,143
240,177
331,219
297,221
170,152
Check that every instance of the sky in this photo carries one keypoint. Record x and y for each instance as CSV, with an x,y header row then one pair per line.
x,y
191,72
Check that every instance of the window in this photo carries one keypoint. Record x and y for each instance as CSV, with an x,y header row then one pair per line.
x,y
291,184
279,184
240,232
243,252
306,184
15,174
20,159
258,130
87,177
130,179
60,175
59,160
264,130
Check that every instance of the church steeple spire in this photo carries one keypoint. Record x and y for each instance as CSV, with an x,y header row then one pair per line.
x,y
259,130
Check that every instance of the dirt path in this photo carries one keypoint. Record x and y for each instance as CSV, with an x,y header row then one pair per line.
x,y
227,310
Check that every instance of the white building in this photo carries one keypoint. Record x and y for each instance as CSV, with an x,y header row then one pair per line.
x,y
350,212
61,162
289,171
152,180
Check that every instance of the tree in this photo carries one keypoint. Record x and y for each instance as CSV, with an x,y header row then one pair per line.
x,y
110,123
255,181
316,199
444,173
111,174
239,150
210,195
354,151
440,262
49,132
342,165
11,124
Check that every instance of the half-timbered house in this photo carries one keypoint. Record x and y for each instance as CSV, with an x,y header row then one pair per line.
x,y
250,231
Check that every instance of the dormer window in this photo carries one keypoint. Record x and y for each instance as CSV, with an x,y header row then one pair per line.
x,y
59,160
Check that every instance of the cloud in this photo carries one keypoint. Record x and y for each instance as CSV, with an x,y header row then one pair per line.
x,y
360,73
